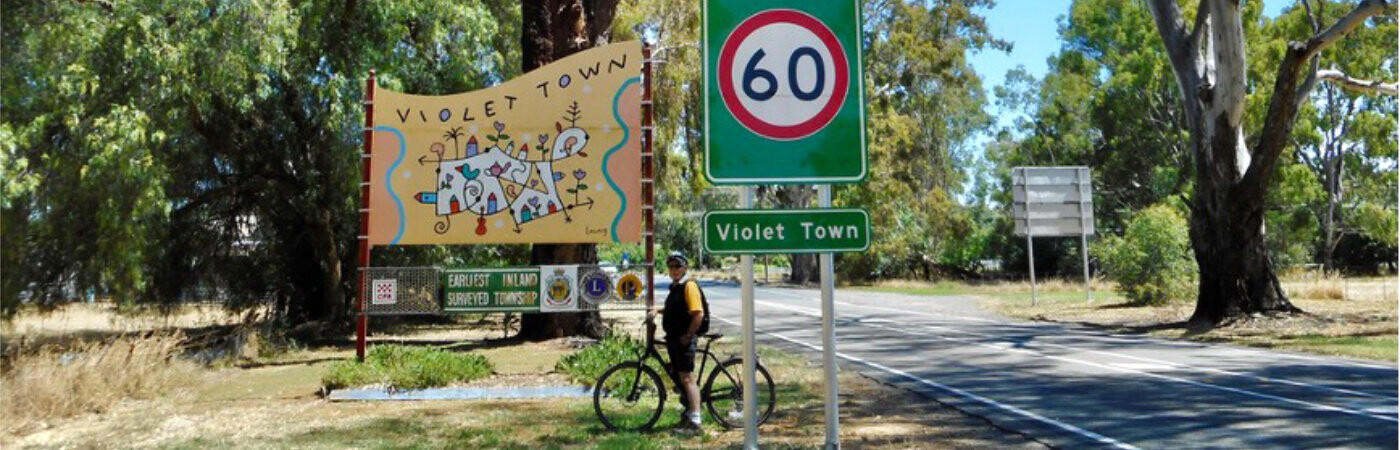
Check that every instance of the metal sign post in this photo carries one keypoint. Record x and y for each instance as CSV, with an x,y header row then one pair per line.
x,y
1030,256
828,272
750,351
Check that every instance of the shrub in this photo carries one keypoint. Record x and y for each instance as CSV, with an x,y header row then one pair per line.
x,y
584,366
405,367
1152,261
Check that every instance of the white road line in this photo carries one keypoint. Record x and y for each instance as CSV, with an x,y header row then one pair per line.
x,y
1007,348
1139,358
1333,361
1311,405
1177,365
958,392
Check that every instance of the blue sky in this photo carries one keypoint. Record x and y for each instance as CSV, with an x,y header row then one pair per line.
x,y
1034,37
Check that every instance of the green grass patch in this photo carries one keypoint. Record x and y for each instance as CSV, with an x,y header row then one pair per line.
x,y
1381,347
406,367
939,288
586,365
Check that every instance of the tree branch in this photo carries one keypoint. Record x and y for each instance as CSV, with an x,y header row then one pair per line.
x,y
1283,105
1353,19
1199,29
1172,28
1311,80
1340,79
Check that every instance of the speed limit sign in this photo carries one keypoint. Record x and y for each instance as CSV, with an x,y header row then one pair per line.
x,y
784,99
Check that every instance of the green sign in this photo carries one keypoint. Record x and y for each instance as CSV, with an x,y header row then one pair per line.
x,y
491,290
783,88
787,231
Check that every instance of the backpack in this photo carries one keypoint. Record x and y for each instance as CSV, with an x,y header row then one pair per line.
x,y
705,304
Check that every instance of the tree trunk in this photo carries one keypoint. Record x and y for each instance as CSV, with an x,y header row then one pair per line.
x,y
1227,233
553,29
804,268
804,265
333,296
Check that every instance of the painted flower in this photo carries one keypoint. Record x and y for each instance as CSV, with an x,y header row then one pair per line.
x,y
499,127
579,174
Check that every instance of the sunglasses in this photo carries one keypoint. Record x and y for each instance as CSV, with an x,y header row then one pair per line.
x,y
674,266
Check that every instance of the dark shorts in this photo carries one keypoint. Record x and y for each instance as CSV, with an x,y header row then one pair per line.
x,y
682,357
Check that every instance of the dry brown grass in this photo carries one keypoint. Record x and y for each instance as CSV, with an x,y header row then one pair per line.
x,y
1340,288
105,319
51,382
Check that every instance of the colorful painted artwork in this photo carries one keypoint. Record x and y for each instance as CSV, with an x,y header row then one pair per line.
x,y
553,156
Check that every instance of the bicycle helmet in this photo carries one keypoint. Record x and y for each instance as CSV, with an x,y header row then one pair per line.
x,y
677,257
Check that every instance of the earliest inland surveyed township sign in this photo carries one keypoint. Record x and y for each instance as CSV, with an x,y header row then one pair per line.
x,y
491,290
553,156
783,92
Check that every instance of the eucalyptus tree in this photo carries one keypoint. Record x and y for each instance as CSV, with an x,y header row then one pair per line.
x,y
1233,178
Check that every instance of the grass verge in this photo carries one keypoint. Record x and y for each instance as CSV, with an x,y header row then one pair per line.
x,y
406,367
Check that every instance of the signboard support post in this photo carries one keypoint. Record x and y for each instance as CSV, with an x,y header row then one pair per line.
x,y
828,272
648,178
1030,256
1084,222
1088,291
362,261
750,351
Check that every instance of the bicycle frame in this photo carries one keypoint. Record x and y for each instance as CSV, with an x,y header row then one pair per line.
x,y
650,352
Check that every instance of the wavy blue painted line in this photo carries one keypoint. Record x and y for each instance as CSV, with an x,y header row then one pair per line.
x,y
626,135
389,180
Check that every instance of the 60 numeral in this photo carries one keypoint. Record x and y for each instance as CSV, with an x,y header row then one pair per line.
x,y
752,72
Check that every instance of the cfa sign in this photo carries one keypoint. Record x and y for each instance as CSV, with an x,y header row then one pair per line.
x,y
784,98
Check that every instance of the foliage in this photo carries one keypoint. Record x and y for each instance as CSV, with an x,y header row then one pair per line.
x,y
1151,261
1107,101
586,365
156,148
406,367
1344,140
924,105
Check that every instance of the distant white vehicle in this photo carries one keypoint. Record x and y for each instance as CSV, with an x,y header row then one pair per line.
x,y
607,267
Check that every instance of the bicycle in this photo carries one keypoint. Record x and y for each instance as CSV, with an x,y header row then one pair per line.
x,y
630,396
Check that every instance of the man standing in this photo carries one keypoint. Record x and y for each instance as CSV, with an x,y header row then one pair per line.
x,y
682,317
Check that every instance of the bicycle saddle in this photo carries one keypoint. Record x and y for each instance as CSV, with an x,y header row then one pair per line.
x,y
713,336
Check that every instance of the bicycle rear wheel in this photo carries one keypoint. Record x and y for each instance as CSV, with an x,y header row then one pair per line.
x,y
629,397
724,394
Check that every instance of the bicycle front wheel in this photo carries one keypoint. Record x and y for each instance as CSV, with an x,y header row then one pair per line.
x,y
724,394
629,397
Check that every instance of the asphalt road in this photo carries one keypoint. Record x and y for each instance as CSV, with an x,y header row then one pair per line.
x,y
1080,388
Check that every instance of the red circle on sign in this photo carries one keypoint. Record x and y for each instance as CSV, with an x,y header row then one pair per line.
x,y
748,119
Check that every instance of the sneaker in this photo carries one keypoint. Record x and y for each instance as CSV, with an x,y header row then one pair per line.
x,y
686,428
